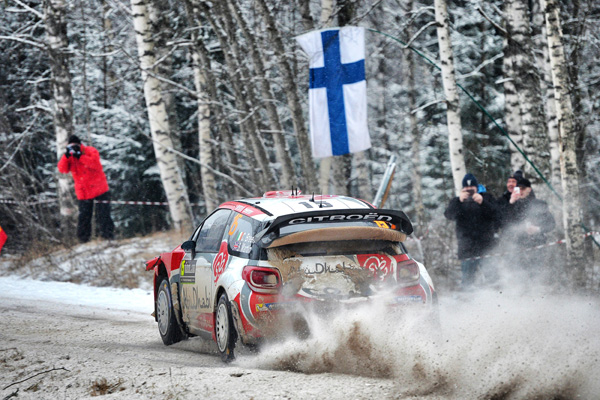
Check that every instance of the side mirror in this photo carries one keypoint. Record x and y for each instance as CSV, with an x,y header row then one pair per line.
x,y
189,246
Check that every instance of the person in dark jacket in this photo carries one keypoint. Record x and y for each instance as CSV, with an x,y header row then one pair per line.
x,y
529,217
83,162
504,200
527,222
476,215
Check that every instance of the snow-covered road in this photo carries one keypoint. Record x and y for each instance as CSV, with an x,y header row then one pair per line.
x,y
68,341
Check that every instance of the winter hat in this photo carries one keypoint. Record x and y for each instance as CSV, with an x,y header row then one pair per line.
x,y
74,139
517,175
523,182
469,180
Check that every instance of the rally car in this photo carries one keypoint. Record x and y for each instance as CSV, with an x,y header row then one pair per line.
x,y
254,266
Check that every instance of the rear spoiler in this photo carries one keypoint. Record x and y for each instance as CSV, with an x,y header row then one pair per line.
x,y
393,219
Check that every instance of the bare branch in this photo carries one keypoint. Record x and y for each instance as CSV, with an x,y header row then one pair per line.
x,y
32,10
424,106
498,28
20,40
480,66
416,35
33,376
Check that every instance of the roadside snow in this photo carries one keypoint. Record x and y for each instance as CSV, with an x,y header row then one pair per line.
x,y
66,293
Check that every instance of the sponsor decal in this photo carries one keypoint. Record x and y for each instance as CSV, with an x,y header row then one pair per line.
x,y
194,300
269,306
188,271
220,262
324,268
351,217
380,265
408,299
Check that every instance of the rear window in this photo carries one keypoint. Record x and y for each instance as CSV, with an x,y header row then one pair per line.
x,y
337,248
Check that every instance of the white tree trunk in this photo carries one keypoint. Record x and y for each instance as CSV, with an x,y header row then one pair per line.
x,y
455,139
528,87
287,178
568,161
512,110
291,92
209,186
62,104
170,175
243,91
415,153
543,65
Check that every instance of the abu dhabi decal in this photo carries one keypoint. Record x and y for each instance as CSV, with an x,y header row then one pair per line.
x,y
220,262
194,300
325,268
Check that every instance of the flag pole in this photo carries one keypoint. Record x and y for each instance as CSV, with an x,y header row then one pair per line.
x,y
386,183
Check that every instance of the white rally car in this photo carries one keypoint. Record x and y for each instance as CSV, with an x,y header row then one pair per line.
x,y
254,265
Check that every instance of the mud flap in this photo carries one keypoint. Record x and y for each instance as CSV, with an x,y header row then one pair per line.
x,y
239,326
177,308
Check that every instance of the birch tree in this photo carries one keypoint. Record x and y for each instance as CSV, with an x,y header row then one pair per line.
x,y
291,92
244,98
201,83
288,178
512,111
455,138
62,105
543,65
170,175
415,158
568,159
527,83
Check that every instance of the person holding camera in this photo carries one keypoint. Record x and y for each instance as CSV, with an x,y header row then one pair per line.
x,y
504,200
476,215
83,162
530,218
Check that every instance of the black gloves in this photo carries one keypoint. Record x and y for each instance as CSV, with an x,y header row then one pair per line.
x,y
73,150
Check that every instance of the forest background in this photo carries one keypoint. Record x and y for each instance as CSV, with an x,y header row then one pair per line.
x,y
196,102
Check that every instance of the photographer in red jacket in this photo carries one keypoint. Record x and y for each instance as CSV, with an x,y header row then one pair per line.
x,y
90,184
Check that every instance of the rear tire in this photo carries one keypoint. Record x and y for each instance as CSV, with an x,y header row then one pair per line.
x,y
224,329
169,329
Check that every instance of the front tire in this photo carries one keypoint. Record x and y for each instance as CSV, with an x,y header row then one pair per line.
x,y
224,329
169,329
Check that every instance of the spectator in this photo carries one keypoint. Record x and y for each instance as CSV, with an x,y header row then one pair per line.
x,y
83,162
529,218
475,213
503,201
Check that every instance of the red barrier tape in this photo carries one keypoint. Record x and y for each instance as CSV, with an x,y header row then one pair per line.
x,y
141,203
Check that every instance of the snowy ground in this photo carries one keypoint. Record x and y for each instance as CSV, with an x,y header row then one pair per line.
x,y
65,340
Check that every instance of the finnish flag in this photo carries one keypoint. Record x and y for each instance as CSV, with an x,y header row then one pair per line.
x,y
337,94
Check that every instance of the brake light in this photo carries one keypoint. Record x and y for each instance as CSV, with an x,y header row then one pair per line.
x,y
262,279
407,272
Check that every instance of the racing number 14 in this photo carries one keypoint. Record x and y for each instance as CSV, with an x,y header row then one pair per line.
x,y
322,204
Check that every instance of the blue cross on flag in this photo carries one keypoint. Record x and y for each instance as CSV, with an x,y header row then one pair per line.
x,y
337,92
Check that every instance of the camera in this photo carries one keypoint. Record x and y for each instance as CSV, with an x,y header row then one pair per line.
x,y
517,189
74,150
471,192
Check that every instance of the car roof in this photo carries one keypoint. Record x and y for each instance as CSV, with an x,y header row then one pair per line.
x,y
284,203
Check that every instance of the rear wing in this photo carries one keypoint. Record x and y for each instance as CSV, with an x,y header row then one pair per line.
x,y
385,219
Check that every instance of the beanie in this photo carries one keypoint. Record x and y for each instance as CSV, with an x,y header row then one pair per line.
x,y
523,182
517,175
74,139
469,180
